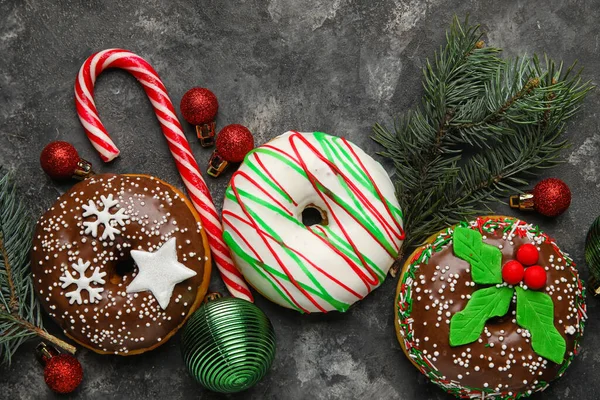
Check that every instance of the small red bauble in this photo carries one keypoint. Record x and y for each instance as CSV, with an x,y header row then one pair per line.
x,y
63,373
528,254
512,272
535,277
59,160
199,106
234,142
551,197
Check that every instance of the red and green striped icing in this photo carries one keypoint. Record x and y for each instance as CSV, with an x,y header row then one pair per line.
x,y
405,302
262,208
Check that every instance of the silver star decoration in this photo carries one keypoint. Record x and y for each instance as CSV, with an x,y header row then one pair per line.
x,y
159,272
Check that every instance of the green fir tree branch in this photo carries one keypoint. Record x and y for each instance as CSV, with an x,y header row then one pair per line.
x,y
485,127
20,313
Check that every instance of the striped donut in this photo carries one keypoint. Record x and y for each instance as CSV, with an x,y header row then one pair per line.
x,y
312,267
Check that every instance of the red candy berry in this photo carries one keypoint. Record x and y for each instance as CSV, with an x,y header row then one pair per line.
x,y
528,254
535,277
512,272
199,106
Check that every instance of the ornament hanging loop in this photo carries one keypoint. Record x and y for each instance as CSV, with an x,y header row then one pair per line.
x,y
216,165
206,133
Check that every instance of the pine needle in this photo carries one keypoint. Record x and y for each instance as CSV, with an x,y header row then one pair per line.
x,y
485,127
20,313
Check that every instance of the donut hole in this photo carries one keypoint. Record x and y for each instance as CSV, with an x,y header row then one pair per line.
x,y
313,215
124,267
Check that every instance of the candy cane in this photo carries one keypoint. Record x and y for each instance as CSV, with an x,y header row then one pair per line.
x,y
178,144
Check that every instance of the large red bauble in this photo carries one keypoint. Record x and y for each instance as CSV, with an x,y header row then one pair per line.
x,y
59,160
512,272
535,277
551,197
528,254
63,373
234,142
199,106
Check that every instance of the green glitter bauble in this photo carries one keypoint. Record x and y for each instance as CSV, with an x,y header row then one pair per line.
x,y
228,345
592,255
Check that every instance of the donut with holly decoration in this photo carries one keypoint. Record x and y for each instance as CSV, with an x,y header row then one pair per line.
x,y
479,320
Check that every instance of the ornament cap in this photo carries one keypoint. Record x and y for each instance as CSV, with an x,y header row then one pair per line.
x,y
44,352
216,164
206,133
522,201
83,170
212,297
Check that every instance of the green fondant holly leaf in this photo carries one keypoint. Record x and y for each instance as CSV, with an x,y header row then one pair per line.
x,y
485,260
466,326
535,312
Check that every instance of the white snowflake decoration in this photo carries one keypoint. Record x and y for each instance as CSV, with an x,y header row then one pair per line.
x,y
104,217
83,283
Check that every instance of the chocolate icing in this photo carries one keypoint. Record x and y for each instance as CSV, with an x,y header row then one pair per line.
x,y
120,322
482,364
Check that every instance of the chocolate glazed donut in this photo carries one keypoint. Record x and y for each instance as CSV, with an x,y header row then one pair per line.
x,y
120,262
503,360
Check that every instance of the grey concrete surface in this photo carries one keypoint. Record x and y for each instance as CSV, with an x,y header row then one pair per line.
x,y
335,66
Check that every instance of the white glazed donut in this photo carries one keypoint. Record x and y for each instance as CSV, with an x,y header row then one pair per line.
x,y
325,266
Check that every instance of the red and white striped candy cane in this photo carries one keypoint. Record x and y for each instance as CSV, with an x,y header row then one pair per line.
x,y
178,144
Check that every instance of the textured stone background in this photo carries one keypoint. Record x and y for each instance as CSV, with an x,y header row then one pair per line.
x,y
336,66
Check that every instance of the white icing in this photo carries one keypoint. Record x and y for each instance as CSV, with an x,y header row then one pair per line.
x,y
83,283
159,272
570,330
303,239
104,217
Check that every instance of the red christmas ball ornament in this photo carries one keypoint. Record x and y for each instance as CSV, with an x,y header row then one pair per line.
x,y
60,160
199,106
551,197
234,142
528,254
63,373
535,277
512,272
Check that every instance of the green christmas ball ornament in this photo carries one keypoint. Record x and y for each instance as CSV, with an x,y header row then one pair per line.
x,y
592,256
228,344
